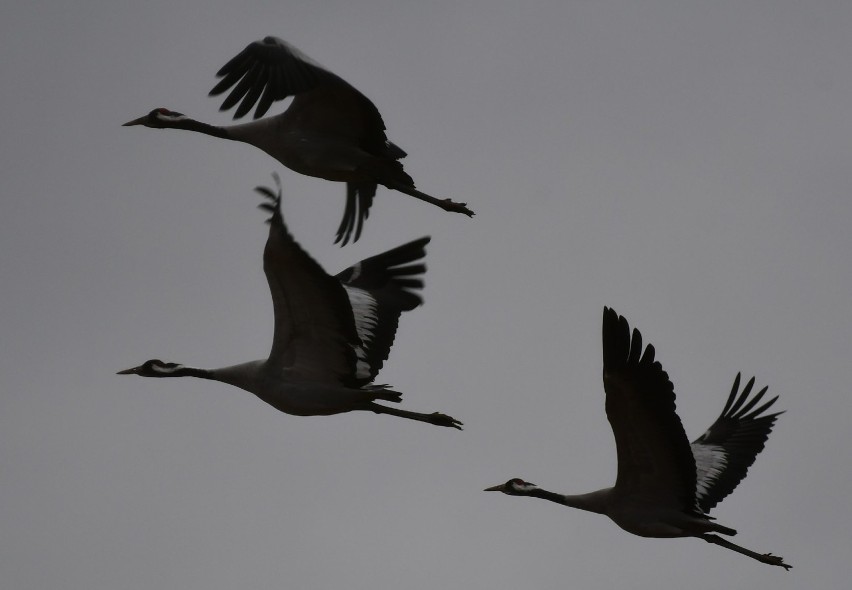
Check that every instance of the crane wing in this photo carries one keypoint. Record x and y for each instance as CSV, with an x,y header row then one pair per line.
x,y
655,463
315,335
728,448
325,109
380,288
271,69
266,71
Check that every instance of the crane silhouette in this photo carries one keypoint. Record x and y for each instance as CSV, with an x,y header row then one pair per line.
x,y
666,486
330,130
332,334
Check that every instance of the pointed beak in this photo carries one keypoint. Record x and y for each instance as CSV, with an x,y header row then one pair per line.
x,y
499,488
139,121
133,371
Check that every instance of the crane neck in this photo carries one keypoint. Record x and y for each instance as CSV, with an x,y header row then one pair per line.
x,y
199,127
184,371
591,502
250,376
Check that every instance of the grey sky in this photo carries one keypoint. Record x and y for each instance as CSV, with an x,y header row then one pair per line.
x,y
686,163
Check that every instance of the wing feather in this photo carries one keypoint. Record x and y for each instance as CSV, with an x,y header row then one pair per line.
x,y
315,335
655,463
271,70
729,447
380,288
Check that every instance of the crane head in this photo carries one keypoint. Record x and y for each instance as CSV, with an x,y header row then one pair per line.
x,y
158,119
514,487
153,368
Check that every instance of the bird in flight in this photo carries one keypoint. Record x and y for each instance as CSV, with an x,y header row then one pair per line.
x,y
332,333
666,486
330,130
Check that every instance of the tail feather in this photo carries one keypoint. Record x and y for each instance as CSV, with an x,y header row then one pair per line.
x,y
359,199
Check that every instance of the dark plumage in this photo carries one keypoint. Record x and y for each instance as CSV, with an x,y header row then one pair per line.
x,y
332,334
665,486
330,130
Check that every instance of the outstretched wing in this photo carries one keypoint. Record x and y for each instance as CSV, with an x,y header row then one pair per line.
x,y
325,108
270,70
380,288
315,335
655,463
266,71
728,448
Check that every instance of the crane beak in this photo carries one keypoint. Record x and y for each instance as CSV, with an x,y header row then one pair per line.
x,y
133,371
499,488
139,121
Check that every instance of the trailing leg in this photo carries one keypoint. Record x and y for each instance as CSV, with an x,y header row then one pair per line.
x,y
767,558
436,418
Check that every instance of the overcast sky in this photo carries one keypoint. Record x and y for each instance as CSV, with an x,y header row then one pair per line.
x,y
689,164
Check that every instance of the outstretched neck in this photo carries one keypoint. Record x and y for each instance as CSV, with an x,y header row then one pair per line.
x,y
251,376
183,371
199,127
591,502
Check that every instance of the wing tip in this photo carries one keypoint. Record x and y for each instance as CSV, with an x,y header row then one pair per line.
x,y
273,202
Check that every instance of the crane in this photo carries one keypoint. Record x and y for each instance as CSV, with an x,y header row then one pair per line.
x,y
330,130
665,486
331,335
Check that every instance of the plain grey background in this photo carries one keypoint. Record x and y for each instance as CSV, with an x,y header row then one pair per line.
x,y
686,163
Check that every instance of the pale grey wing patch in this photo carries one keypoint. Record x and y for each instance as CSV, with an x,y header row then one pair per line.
x,y
710,464
365,312
355,272
740,432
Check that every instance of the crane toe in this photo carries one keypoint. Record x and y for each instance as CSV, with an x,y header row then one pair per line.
x,y
456,207
776,560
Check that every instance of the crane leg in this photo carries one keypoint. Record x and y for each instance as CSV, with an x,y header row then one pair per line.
x,y
761,557
445,204
436,418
